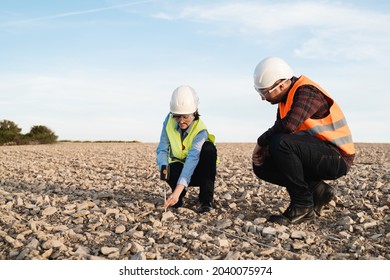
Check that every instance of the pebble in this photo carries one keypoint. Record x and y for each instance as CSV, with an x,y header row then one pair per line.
x,y
223,224
49,211
269,230
52,243
136,247
298,234
108,250
167,216
120,229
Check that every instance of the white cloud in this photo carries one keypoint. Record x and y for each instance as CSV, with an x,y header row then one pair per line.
x,y
164,16
326,29
275,17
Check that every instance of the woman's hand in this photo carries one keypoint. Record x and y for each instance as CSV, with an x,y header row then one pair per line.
x,y
174,197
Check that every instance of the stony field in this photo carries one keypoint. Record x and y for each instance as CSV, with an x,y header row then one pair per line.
x,y
104,201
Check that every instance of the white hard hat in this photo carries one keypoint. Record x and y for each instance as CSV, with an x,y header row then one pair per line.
x,y
270,70
184,100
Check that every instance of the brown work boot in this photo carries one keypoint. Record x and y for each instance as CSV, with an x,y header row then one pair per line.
x,y
294,215
322,195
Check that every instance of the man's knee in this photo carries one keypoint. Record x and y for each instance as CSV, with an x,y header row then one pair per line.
x,y
276,141
259,171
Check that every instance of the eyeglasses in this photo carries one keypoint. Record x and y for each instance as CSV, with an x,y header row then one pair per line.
x,y
263,92
179,117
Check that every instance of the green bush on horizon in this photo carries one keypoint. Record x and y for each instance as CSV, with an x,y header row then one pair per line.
x,y
10,134
9,131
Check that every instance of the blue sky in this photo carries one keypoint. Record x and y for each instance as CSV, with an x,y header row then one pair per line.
x,y
106,69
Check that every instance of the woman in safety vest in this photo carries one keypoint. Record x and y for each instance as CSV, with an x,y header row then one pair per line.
x,y
186,154
309,142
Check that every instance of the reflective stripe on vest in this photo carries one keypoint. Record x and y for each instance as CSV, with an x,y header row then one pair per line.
x,y
179,149
332,128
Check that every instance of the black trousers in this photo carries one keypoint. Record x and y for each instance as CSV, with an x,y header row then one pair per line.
x,y
299,163
204,173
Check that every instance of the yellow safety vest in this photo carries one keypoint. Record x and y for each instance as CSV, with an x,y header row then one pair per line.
x,y
332,128
179,148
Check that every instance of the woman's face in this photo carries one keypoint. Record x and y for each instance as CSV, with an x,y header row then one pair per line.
x,y
184,121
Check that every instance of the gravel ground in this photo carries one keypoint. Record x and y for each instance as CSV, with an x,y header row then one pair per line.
x,y
104,201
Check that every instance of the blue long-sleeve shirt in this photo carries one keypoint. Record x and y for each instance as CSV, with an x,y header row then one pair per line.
x,y
192,158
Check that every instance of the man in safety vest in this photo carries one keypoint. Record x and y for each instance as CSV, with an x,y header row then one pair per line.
x,y
186,154
309,142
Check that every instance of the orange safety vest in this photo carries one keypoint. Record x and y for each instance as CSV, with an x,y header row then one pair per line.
x,y
332,128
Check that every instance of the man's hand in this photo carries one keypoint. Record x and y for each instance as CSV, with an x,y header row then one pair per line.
x,y
174,197
259,155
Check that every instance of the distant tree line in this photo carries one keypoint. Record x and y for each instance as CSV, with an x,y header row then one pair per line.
x,y
10,134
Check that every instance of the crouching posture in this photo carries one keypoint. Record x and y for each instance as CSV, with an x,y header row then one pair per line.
x,y
309,142
186,153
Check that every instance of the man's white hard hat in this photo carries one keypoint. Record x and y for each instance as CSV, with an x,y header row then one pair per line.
x,y
270,70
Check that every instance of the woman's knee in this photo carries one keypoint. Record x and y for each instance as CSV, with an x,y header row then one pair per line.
x,y
208,150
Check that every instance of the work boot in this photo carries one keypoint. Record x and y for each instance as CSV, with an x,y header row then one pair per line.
x,y
205,207
322,195
293,215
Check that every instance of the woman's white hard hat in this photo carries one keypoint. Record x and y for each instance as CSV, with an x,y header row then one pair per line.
x,y
270,70
184,100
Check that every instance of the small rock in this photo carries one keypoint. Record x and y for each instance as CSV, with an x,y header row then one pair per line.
x,y
85,205
110,211
227,196
235,255
47,253
369,225
126,249
120,229
260,221
283,236
33,244
167,216
205,237
108,250
346,221
298,234
223,224
233,205
136,247
269,230
345,234
139,256
186,211
52,243
192,234
60,228
82,251
268,251
49,211
298,245
223,243
136,233
149,206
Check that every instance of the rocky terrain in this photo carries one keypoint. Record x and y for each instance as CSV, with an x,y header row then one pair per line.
x,y
104,201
